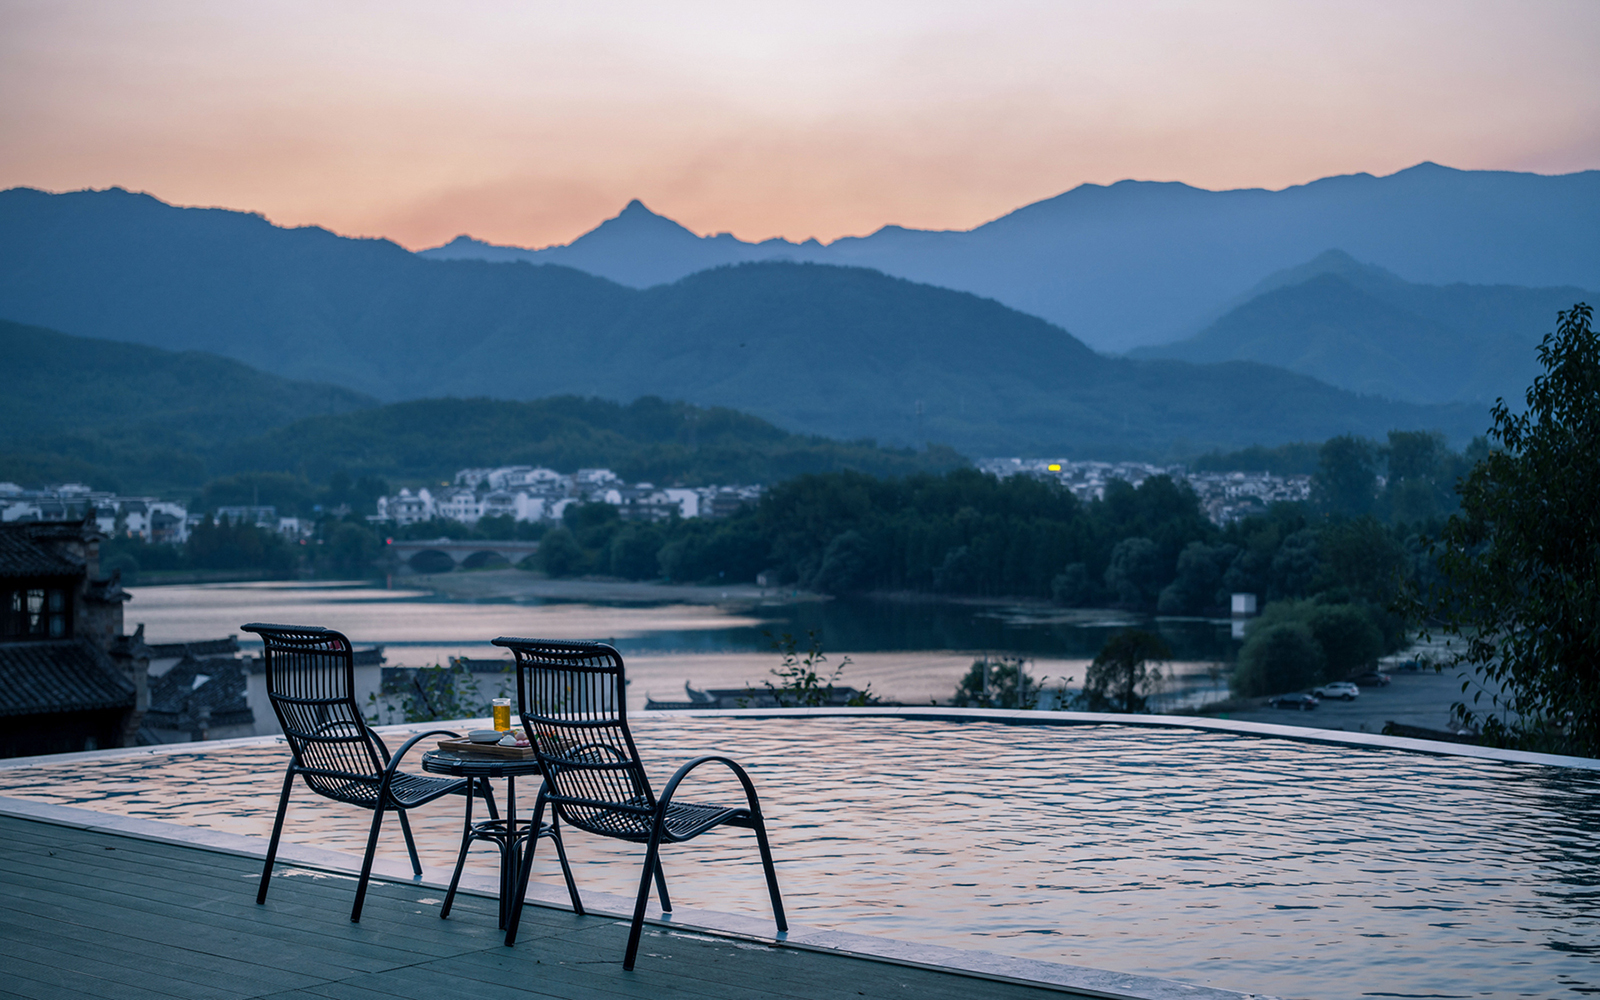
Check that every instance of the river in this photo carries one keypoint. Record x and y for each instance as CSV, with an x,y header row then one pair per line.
x,y
908,649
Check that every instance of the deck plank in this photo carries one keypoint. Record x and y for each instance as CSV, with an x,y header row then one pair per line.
x,y
176,963
148,920
168,875
124,970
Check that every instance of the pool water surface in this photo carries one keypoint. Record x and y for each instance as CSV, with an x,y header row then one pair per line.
x,y
1260,865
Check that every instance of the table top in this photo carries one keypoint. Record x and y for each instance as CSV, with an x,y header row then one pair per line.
x,y
465,766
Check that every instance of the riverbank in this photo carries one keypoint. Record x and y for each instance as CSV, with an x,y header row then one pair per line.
x,y
516,584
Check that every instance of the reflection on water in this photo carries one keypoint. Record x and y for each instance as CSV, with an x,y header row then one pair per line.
x,y
416,621
1257,865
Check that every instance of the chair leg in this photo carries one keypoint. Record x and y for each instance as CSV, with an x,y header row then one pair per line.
x,y
514,917
772,874
566,869
661,889
277,832
637,928
411,845
461,859
366,865
488,797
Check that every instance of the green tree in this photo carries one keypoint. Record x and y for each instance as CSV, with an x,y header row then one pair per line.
x,y
844,564
1122,676
1071,586
1277,658
1346,480
559,554
1197,586
1295,565
1521,562
1359,556
1422,473
351,549
229,546
633,552
292,495
1134,573
1350,640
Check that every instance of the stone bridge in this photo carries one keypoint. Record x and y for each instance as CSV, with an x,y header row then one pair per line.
x,y
444,554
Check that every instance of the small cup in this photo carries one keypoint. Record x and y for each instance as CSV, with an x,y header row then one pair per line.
x,y
502,714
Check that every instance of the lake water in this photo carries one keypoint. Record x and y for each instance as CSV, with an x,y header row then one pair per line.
x,y
908,650
1260,865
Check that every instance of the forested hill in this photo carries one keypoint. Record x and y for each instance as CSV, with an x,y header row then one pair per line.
x,y
141,418
76,408
1359,327
842,352
647,440
56,384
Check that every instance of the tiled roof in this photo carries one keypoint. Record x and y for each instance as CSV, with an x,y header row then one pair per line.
x,y
200,647
217,685
37,678
21,556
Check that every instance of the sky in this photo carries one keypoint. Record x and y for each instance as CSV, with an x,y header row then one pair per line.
x,y
528,123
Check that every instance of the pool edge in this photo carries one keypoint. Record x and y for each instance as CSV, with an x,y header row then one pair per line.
x,y
1267,730
1303,734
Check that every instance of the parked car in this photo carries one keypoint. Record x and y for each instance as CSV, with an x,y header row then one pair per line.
x,y
1338,689
1304,702
1371,678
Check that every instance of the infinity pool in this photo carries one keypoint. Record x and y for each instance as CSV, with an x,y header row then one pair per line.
x,y
1260,865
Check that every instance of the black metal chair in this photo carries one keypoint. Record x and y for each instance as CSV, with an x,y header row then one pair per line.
x,y
570,696
311,683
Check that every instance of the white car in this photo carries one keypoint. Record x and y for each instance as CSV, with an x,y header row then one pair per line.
x,y
1338,689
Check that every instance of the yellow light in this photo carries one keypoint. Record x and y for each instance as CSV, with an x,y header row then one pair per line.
x,y
1054,468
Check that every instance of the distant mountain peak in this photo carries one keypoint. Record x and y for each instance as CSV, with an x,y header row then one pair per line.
x,y
1333,262
634,220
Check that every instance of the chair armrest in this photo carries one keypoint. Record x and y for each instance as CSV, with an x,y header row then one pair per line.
x,y
383,749
394,762
683,772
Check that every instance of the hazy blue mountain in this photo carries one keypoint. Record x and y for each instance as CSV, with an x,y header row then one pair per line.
x,y
1361,328
637,248
841,352
1139,262
55,383
112,413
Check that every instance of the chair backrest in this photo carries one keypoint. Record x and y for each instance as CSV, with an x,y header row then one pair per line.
x,y
571,699
311,683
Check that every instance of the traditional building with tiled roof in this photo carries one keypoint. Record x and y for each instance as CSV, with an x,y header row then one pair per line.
x,y
69,678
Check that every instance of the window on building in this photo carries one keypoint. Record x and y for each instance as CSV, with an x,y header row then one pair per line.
x,y
35,613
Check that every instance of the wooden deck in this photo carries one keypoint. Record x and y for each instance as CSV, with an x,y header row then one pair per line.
x,y
92,914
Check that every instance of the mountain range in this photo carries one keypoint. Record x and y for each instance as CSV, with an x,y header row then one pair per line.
x,y
843,352
128,416
1138,263
75,408
1360,327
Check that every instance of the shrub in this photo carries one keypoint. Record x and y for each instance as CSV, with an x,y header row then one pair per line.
x,y
559,554
1120,678
1278,658
997,682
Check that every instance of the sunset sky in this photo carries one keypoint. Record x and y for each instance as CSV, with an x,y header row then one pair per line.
x,y
528,123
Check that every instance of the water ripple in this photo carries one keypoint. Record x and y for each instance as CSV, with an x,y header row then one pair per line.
x,y
1253,864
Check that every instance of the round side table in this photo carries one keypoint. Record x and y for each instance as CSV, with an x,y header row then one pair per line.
x,y
508,832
